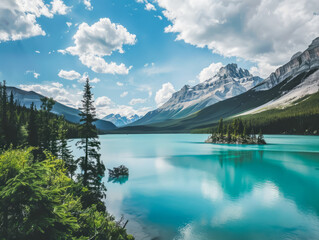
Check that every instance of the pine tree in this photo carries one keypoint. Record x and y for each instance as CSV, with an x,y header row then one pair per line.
x,y
92,167
4,118
45,130
33,127
221,127
64,151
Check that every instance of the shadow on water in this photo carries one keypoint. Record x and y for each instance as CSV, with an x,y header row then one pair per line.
x,y
120,180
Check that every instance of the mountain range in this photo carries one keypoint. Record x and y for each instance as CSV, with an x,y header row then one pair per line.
x,y
121,121
229,81
70,114
291,90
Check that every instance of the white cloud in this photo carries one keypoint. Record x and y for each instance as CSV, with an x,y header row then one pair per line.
x,y
88,5
69,24
209,71
150,7
35,74
70,75
85,75
101,39
124,94
37,51
57,92
72,98
164,94
159,17
137,101
58,7
262,31
119,84
103,101
57,84
19,18
95,80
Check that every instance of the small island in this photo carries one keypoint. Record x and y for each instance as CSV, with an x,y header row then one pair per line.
x,y
236,133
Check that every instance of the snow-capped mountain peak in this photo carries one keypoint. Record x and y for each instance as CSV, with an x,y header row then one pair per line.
x,y
121,121
228,82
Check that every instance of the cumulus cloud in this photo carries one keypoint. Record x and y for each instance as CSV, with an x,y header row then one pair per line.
x,y
101,39
164,94
262,31
88,5
56,90
123,94
70,75
137,101
37,51
19,18
69,24
150,7
119,84
35,74
209,71
103,101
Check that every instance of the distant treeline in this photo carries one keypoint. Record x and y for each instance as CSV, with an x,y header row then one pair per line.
x,y
302,117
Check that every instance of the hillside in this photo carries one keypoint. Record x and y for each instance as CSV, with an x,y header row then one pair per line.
x,y
70,114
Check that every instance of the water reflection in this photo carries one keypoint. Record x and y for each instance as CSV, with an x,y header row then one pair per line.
x,y
186,190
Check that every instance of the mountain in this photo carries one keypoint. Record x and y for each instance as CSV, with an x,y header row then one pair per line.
x,y
230,81
70,114
121,121
291,86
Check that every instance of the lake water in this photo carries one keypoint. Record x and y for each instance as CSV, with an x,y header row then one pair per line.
x,y
182,188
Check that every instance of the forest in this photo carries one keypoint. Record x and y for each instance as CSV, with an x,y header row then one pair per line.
x,y
236,132
45,193
301,117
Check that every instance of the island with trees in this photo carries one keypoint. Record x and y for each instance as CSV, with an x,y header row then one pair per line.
x,y
235,132
42,195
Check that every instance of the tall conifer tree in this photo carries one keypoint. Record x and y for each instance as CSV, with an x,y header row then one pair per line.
x,y
92,167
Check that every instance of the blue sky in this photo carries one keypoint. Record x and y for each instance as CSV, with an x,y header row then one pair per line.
x,y
162,58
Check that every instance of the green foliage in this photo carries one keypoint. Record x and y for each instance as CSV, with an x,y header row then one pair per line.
x,y
39,201
39,196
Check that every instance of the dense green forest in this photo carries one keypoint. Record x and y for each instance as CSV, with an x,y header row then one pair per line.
x,y
42,196
302,117
236,132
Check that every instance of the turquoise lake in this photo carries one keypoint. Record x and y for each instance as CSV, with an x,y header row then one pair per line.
x,y
181,188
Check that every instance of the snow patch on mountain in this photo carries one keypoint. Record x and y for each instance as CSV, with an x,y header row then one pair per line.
x,y
308,86
121,121
230,81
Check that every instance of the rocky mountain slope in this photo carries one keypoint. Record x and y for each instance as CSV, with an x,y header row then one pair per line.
x,y
121,121
290,85
70,114
230,81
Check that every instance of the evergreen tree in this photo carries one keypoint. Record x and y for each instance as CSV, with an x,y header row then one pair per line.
x,y
221,127
45,127
64,151
13,124
4,119
92,167
32,127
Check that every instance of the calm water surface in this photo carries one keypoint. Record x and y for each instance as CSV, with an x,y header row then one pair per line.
x,y
182,188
